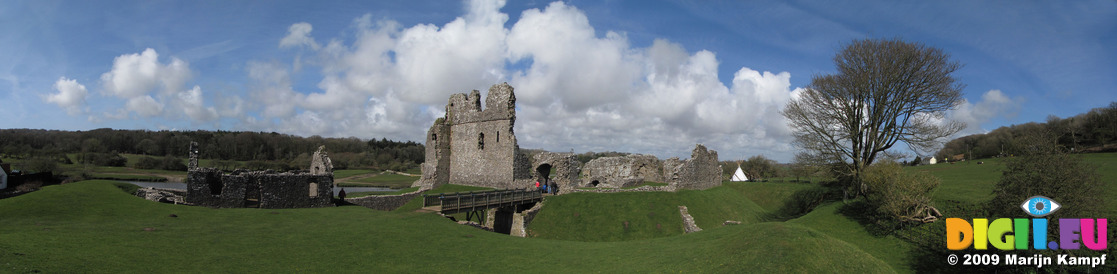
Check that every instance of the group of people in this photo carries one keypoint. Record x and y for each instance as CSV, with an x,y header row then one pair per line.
x,y
547,188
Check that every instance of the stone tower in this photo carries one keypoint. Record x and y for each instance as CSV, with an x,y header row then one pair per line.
x,y
475,146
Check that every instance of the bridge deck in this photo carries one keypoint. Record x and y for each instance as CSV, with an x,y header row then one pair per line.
x,y
449,203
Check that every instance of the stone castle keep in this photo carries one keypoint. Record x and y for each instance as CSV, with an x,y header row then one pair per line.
x,y
476,146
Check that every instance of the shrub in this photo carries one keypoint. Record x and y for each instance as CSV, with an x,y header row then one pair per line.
x,y
104,159
147,163
172,163
900,196
41,164
1062,177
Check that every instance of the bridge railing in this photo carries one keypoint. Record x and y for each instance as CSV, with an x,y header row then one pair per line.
x,y
478,200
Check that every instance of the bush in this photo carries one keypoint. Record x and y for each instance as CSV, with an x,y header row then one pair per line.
x,y
172,163
900,196
41,164
104,159
147,163
1062,177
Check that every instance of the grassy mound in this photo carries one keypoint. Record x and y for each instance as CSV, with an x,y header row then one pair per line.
x,y
643,215
93,226
830,219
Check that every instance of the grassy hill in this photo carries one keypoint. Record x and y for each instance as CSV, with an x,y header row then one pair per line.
x,y
99,228
970,182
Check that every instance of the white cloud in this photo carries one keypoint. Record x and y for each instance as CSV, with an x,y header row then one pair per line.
x,y
71,95
569,63
145,106
193,105
575,89
135,75
993,104
466,53
272,90
299,35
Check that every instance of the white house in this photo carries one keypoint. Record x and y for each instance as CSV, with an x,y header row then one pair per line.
x,y
932,161
4,176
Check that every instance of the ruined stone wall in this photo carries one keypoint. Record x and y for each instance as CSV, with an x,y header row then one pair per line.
x,y
209,187
436,167
701,171
384,202
625,171
320,163
565,166
483,149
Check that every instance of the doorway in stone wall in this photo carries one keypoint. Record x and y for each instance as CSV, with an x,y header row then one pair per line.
x,y
543,173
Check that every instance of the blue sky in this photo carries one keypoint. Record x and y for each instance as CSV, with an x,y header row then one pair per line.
x,y
637,76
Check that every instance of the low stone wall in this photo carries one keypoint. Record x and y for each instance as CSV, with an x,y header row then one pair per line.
x,y
162,195
385,202
667,188
522,220
688,222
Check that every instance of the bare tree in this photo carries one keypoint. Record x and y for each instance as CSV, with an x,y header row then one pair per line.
x,y
884,92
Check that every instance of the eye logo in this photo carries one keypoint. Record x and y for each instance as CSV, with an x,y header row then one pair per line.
x,y
1039,206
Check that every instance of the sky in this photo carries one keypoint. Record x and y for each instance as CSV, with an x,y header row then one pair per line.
x,y
652,77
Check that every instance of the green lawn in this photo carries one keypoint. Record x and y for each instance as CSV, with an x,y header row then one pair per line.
x,y
966,181
827,219
601,216
370,193
973,183
102,229
387,180
346,173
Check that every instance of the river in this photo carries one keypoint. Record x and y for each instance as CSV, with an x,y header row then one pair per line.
x,y
182,186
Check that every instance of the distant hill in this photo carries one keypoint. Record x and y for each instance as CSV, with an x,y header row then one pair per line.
x,y
224,145
1093,131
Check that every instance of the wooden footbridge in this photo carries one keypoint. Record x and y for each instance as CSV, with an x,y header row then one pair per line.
x,y
474,203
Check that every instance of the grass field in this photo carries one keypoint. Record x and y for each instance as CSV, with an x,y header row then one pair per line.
x,y
346,173
102,229
386,180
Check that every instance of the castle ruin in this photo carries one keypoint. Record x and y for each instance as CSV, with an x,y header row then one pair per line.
x,y
260,189
475,146
701,171
622,171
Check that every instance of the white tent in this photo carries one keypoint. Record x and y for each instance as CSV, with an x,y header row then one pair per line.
x,y
933,161
739,176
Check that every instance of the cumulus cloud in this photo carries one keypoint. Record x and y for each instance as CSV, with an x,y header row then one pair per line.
x,y
138,74
577,88
145,106
140,83
298,34
994,104
71,95
151,88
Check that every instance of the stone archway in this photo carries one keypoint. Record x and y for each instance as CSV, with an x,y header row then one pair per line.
x,y
543,173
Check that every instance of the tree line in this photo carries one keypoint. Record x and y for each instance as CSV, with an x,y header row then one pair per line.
x,y
272,150
1093,131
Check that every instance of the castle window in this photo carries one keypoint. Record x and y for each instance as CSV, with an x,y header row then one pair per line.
x,y
481,141
434,137
498,136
